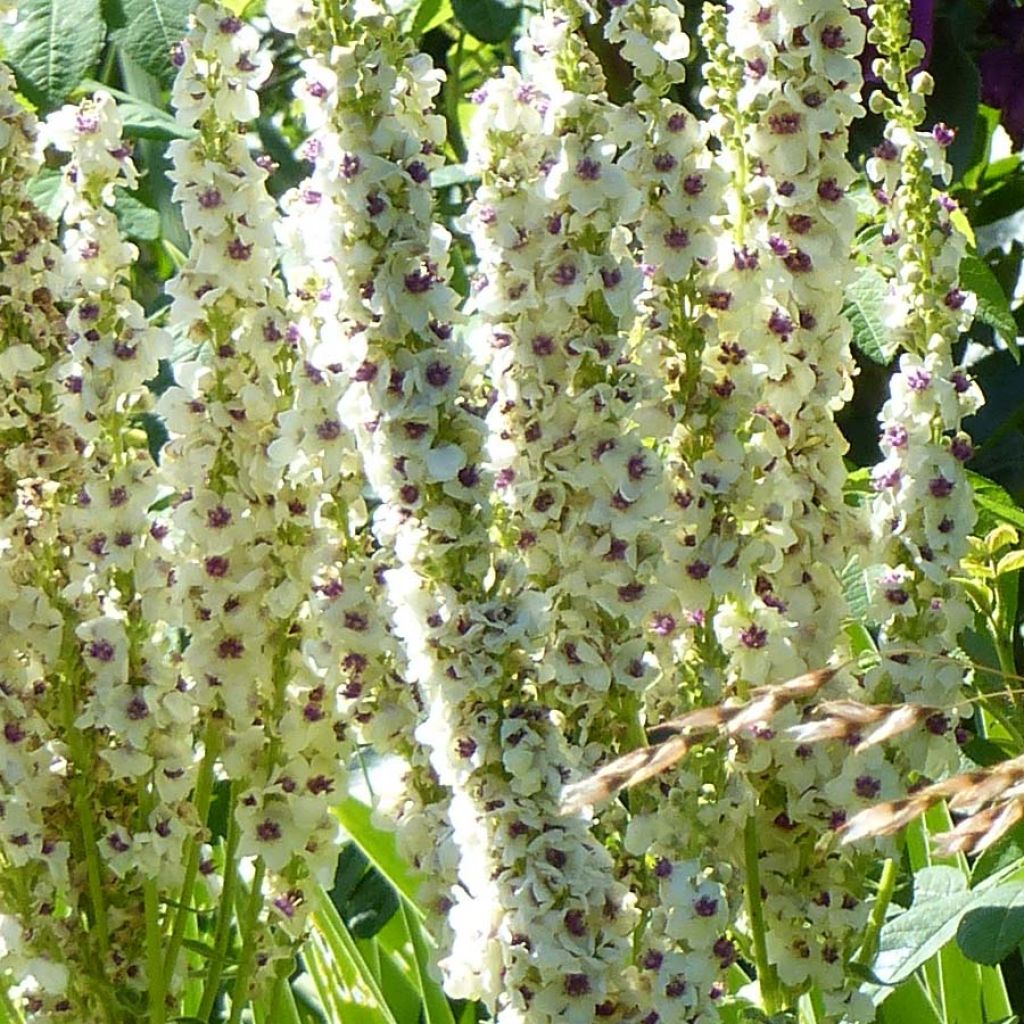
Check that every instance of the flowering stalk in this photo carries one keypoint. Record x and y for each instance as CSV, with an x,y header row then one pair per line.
x,y
119,577
255,546
334,222
56,926
421,441
762,533
922,512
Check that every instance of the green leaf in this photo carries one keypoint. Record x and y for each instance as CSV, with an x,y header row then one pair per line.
x,y
490,21
53,46
908,941
429,15
1013,562
152,27
994,504
44,191
135,219
993,305
910,1002
371,906
984,752
352,865
1009,851
990,932
855,590
378,845
866,296
452,174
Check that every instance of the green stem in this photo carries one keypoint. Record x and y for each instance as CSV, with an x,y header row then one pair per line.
x,y
222,934
154,958
203,793
451,101
248,959
82,761
768,981
886,886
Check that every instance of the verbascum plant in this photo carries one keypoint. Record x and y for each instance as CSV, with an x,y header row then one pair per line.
x,y
501,541
254,547
54,882
922,512
360,213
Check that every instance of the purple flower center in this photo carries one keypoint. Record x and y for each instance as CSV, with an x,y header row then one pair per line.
x,y
832,37
787,123
867,787
676,238
268,830
754,637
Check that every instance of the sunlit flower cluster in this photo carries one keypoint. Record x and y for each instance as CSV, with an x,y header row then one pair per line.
x,y
258,538
352,256
923,511
495,536
760,357
40,655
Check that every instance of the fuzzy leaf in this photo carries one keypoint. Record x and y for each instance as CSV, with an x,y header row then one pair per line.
x,y
44,190
135,219
908,941
151,28
993,305
53,46
866,296
990,932
994,504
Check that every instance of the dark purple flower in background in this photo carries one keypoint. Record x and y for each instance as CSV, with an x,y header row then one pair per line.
x,y
1002,67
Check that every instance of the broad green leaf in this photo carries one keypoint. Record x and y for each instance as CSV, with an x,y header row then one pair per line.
x,y
1013,562
151,28
490,21
994,504
908,941
53,46
135,219
855,590
993,305
865,298
378,845
989,932
429,15
44,191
